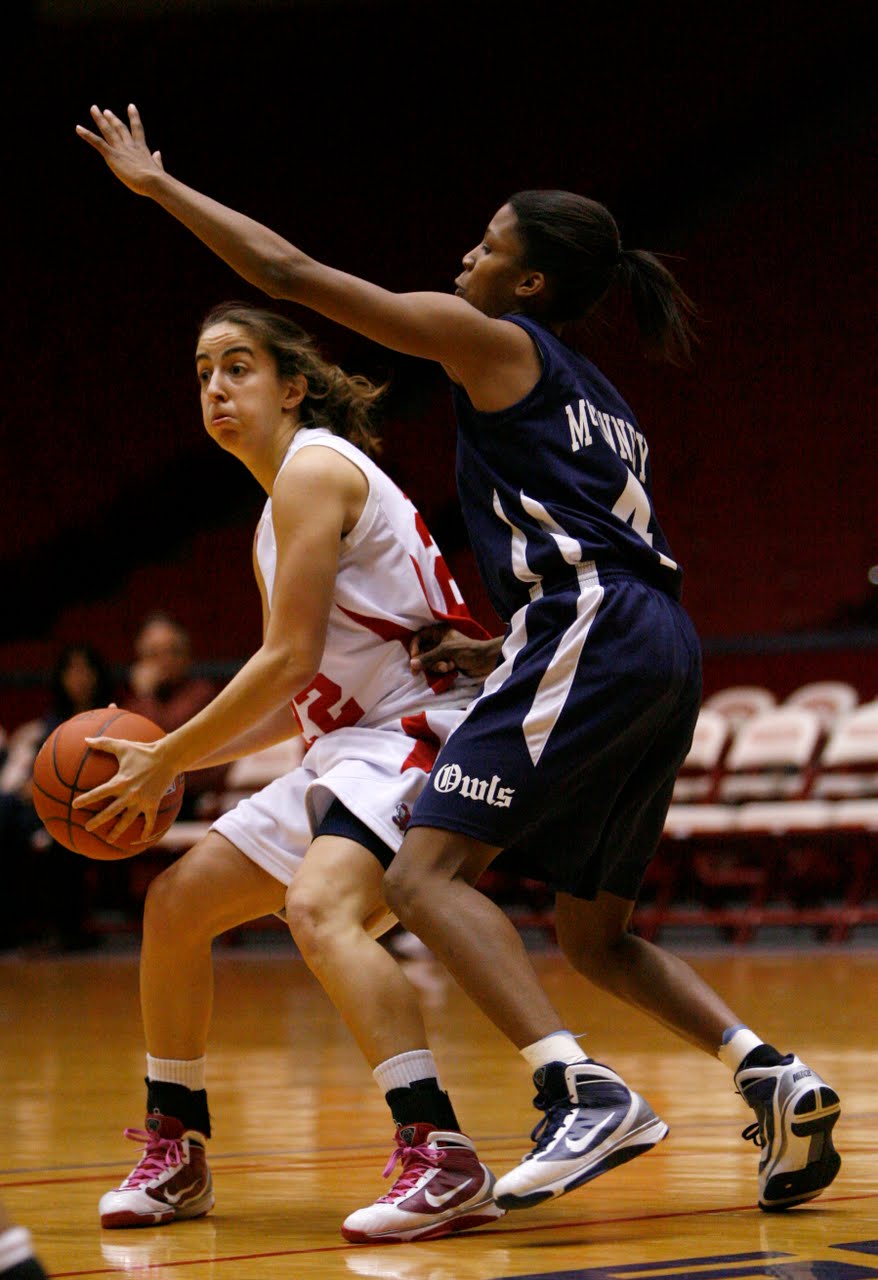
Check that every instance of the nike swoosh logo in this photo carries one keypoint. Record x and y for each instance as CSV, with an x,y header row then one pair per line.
x,y
186,1194
436,1202
579,1144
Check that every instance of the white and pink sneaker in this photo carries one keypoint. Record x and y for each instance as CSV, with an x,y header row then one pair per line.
x,y
170,1181
442,1188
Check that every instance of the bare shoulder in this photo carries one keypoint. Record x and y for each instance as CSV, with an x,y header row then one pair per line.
x,y
324,483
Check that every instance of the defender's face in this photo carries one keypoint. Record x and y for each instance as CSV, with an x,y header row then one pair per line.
x,y
242,396
492,270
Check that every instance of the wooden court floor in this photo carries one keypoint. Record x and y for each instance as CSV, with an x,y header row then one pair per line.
x,y
301,1134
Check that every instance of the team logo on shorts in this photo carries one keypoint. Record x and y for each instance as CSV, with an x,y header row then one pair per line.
x,y
402,816
452,778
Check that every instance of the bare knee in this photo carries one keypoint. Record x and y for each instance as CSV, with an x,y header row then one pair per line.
x,y
598,952
313,916
171,905
176,906
401,890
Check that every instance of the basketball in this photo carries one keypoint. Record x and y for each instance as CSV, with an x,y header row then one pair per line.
x,y
67,766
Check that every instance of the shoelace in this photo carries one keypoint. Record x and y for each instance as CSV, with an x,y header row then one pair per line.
x,y
546,1128
753,1133
159,1154
412,1160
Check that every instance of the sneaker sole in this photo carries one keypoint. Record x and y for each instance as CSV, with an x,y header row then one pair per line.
x,y
479,1216
817,1110
635,1144
161,1218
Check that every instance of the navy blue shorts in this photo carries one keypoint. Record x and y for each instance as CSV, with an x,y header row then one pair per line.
x,y
339,821
568,758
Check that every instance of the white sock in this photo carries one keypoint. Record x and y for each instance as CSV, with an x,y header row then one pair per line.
x,y
16,1247
737,1043
560,1046
186,1071
401,1071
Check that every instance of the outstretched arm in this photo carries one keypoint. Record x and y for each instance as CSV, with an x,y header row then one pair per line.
x,y
436,326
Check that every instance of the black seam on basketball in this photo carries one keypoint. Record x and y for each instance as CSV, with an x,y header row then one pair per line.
x,y
43,792
82,763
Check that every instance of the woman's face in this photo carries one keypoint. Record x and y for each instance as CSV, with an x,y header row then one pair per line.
x,y
243,399
495,267
80,681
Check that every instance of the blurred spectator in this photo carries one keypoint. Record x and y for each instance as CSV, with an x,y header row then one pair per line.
x,y
163,688
47,884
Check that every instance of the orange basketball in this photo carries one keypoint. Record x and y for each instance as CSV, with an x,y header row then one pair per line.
x,y
66,767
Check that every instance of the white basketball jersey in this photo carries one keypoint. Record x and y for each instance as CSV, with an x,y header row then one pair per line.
x,y
391,582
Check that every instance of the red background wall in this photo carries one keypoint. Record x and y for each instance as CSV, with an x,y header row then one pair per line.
x,y
737,141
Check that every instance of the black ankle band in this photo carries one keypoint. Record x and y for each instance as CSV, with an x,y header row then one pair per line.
x,y
189,1106
422,1102
764,1055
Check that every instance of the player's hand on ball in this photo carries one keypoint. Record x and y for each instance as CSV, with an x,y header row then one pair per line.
x,y
142,779
123,147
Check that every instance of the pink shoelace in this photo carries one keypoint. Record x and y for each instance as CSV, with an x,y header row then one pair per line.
x,y
412,1160
159,1154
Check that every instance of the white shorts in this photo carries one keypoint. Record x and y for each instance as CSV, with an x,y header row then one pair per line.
x,y
377,774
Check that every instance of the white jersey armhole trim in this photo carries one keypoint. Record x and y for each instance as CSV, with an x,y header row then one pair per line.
x,y
325,439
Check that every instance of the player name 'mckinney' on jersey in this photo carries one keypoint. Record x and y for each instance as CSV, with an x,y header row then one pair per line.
x,y
627,441
452,778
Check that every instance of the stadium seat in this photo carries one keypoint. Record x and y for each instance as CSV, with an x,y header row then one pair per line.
x,y
739,702
771,756
829,698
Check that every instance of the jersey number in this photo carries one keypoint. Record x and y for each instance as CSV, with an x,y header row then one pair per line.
x,y
634,509
320,712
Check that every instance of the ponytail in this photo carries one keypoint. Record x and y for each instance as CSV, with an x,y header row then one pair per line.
x,y
575,242
661,308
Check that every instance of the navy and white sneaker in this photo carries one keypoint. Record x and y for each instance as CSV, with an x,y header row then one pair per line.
x,y
795,1114
593,1122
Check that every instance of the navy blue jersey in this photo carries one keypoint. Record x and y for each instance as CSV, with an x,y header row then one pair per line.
x,y
559,478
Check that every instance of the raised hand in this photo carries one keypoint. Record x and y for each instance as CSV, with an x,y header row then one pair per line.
x,y
123,147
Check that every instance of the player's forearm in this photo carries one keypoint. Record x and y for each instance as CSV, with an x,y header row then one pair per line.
x,y
278,726
263,687
256,253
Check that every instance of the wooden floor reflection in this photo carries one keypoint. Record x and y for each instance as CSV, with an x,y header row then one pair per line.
x,y
301,1133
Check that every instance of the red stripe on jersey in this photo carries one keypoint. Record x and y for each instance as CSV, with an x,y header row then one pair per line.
x,y
423,755
388,630
423,531
458,615
382,627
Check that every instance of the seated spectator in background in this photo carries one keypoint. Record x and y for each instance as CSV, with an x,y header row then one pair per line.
x,y
41,877
163,688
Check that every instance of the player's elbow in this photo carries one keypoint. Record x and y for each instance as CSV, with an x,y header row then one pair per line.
x,y
284,273
291,669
